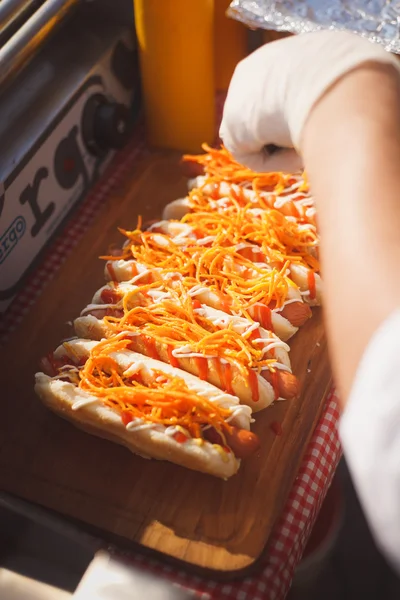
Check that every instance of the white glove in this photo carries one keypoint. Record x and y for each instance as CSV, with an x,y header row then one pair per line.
x,y
273,91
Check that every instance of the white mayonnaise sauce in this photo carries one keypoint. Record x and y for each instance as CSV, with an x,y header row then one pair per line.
x,y
139,276
196,290
206,240
84,402
91,307
274,343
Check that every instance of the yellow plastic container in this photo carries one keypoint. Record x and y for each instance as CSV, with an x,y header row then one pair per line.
x,y
231,44
175,39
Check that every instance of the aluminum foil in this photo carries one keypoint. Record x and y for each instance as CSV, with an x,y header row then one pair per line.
x,y
377,20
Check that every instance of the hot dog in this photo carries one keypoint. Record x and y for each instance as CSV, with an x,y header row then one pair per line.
x,y
271,319
111,299
290,201
159,333
185,233
124,411
255,390
216,173
238,272
214,369
189,319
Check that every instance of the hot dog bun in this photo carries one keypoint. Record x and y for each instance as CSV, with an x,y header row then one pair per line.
x,y
90,414
60,397
111,296
176,209
182,233
93,325
78,350
289,202
253,389
122,272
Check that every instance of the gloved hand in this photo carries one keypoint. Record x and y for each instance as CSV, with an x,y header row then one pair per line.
x,y
273,91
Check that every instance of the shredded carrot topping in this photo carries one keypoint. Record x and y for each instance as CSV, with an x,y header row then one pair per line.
x,y
156,397
234,250
269,231
173,322
289,194
219,163
221,269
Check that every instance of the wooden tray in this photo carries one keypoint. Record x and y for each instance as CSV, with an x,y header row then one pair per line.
x,y
211,524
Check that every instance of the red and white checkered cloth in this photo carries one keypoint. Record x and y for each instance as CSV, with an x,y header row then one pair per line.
x,y
289,538
274,576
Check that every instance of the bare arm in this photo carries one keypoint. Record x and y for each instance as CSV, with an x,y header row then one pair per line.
x,y
354,169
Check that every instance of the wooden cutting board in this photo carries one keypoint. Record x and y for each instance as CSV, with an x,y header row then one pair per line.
x,y
208,523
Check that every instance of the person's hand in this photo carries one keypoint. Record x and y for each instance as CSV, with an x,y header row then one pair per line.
x,y
273,91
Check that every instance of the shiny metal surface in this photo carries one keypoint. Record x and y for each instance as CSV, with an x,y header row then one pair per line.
x,y
13,14
23,45
32,102
12,10
376,20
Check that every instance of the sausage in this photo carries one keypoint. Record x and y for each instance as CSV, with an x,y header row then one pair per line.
x,y
290,209
51,365
297,313
287,384
110,296
243,443
100,313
